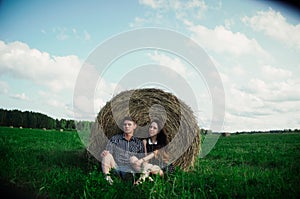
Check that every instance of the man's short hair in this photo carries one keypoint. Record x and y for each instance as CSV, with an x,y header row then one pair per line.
x,y
129,119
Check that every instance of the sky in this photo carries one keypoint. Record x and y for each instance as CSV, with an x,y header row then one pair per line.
x,y
253,46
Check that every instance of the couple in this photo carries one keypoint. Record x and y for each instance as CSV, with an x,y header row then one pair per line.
x,y
126,153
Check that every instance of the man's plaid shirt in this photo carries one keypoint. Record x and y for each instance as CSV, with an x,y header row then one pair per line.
x,y
122,150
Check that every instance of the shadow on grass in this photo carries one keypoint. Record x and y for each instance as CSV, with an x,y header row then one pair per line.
x,y
10,190
23,173
65,159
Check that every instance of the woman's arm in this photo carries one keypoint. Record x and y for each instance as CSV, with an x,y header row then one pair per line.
x,y
145,147
139,162
150,156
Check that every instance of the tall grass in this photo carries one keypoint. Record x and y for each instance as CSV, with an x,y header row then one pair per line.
x,y
52,164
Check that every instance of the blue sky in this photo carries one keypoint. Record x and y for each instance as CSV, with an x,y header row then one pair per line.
x,y
254,46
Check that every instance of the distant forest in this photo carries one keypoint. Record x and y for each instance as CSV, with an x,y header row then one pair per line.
x,y
29,119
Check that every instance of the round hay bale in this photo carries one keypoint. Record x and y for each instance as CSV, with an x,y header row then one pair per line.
x,y
180,124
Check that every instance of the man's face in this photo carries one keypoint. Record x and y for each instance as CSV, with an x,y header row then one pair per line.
x,y
129,126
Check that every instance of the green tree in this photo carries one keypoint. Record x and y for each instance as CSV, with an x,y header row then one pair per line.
x,y
63,124
3,117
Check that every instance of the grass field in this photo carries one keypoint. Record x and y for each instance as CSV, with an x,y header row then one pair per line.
x,y
51,164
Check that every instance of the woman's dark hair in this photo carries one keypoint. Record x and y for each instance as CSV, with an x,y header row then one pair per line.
x,y
161,136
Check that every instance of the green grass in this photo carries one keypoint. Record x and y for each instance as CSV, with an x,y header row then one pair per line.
x,y
52,164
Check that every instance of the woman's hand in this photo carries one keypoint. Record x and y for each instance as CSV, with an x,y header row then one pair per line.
x,y
155,153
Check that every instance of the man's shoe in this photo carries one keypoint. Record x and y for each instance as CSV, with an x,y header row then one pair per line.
x,y
143,178
108,179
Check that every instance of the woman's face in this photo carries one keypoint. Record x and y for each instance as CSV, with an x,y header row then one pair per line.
x,y
153,129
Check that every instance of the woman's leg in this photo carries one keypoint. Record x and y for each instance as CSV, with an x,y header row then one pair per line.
x,y
156,170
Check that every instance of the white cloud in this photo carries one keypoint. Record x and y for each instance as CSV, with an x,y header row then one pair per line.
x,y
275,90
258,102
228,23
61,33
272,73
245,110
87,36
273,24
173,63
83,111
192,8
104,92
242,102
3,87
260,98
65,33
55,103
275,84
274,121
56,72
153,3
87,108
138,21
258,95
238,71
21,96
222,40
179,9
91,93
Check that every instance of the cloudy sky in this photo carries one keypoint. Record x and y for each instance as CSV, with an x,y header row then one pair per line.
x,y
254,46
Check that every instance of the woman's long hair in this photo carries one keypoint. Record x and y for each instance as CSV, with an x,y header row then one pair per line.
x,y
162,140
161,136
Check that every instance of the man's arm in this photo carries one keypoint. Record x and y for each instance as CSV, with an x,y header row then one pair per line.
x,y
108,149
104,153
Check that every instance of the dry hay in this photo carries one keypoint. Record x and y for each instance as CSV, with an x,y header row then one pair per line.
x,y
180,125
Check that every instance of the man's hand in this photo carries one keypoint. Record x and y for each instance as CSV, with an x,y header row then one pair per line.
x,y
140,161
104,153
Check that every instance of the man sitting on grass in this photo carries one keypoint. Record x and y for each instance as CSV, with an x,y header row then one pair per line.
x,y
120,149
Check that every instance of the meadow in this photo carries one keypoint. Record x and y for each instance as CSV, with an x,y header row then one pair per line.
x,y
51,164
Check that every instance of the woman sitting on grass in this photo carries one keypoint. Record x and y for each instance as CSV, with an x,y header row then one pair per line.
x,y
156,160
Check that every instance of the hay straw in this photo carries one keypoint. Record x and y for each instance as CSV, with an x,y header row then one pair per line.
x,y
143,104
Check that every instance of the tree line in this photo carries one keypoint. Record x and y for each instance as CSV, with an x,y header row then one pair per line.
x,y
29,119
